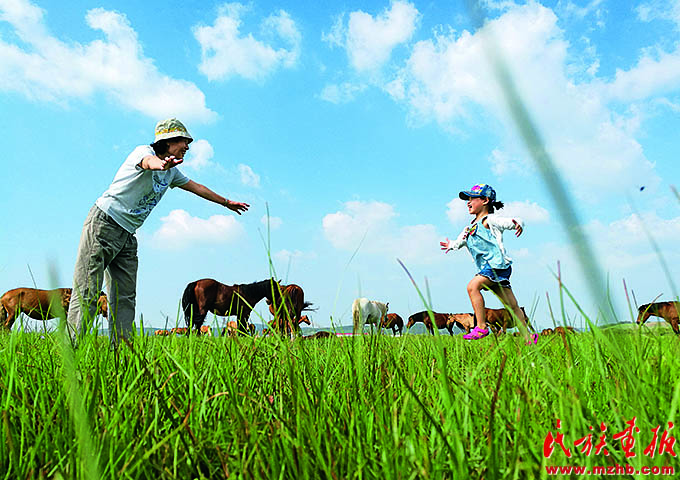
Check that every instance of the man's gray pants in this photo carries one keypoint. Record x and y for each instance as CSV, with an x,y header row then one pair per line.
x,y
107,251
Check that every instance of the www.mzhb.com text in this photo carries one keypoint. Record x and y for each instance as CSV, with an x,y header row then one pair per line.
x,y
610,470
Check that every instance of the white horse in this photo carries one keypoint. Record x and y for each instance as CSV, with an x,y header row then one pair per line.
x,y
367,311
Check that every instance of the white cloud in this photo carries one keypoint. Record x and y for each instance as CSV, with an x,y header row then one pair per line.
x,y
570,9
200,154
284,257
635,230
273,222
341,93
445,80
530,212
503,163
655,73
659,10
42,67
180,230
371,227
345,230
226,51
457,212
623,250
248,177
369,40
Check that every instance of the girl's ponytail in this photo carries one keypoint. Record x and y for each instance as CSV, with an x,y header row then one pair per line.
x,y
495,205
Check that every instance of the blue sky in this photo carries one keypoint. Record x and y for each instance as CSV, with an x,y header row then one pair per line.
x,y
356,124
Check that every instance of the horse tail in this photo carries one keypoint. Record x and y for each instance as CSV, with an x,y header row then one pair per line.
x,y
188,301
356,315
3,315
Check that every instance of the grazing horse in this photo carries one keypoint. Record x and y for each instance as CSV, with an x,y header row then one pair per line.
x,y
39,304
563,330
367,311
393,321
547,331
500,319
666,310
273,323
464,321
208,295
317,335
441,320
288,312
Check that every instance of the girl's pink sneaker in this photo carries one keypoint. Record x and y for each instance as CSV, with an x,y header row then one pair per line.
x,y
533,339
476,334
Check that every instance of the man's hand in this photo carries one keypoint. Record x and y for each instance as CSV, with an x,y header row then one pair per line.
x,y
237,207
169,162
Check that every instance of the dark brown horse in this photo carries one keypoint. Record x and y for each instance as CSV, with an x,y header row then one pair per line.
x,y
40,304
288,312
666,310
393,321
441,320
208,295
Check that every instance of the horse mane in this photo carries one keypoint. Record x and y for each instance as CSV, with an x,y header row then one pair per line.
x,y
651,306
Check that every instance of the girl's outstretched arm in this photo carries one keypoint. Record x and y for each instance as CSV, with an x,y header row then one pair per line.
x,y
505,223
459,242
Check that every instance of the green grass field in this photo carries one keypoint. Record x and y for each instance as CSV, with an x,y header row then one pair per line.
x,y
374,407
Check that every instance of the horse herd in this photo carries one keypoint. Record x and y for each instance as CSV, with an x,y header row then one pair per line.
x,y
286,304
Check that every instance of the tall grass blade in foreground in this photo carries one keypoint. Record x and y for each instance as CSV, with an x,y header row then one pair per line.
x,y
536,146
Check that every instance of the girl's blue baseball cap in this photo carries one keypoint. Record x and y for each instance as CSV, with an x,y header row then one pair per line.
x,y
479,190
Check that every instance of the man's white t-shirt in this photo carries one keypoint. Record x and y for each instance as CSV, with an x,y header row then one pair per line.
x,y
135,191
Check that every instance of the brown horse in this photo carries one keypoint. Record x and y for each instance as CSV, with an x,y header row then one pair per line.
x,y
393,321
441,320
464,321
500,319
208,295
288,312
666,310
39,304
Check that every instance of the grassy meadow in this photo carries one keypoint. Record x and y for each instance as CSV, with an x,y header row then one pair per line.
x,y
415,406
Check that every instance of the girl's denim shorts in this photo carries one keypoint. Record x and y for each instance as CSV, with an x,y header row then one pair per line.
x,y
501,276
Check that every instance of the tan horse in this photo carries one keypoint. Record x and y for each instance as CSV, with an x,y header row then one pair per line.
x,y
40,304
666,310
464,321
500,319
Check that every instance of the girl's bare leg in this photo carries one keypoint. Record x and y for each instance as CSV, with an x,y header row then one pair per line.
x,y
507,296
474,289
